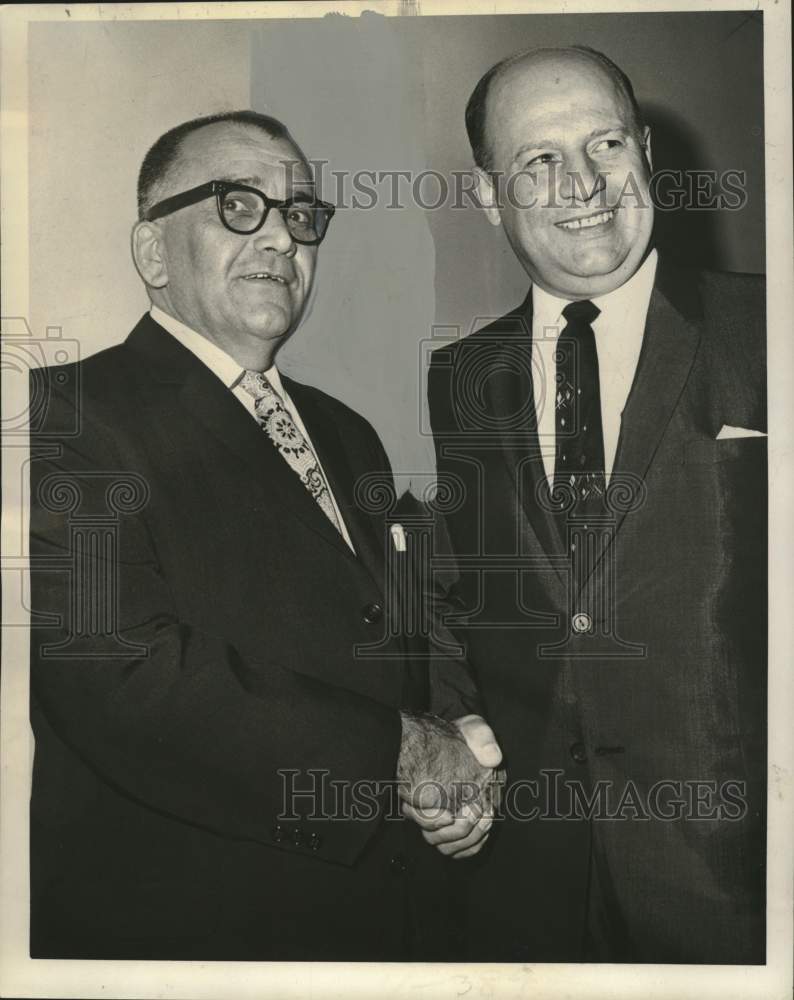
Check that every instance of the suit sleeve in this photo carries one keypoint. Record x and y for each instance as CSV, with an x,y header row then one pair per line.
x,y
451,688
169,714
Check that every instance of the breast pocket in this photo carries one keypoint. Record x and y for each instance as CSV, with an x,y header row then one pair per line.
x,y
709,451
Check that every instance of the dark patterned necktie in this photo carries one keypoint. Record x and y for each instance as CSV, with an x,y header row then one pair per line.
x,y
579,462
276,421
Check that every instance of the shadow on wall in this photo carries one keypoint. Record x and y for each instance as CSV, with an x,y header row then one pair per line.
x,y
693,193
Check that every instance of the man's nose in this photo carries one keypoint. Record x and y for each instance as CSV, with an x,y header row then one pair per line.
x,y
581,180
274,235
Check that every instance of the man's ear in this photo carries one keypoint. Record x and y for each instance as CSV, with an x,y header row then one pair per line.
x,y
486,190
646,145
147,252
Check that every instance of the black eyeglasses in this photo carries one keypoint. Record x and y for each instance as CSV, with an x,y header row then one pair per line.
x,y
243,210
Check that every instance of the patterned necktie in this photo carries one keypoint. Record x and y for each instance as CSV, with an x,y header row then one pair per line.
x,y
276,421
579,463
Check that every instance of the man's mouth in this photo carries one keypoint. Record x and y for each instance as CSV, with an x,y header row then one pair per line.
x,y
588,222
265,276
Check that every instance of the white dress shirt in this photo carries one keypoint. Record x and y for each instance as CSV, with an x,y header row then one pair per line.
x,y
229,372
618,333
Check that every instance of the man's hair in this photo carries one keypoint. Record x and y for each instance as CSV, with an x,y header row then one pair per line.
x,y
165,152
477,104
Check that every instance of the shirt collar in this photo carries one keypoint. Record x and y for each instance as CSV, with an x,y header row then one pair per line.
x,y
215,358
631,298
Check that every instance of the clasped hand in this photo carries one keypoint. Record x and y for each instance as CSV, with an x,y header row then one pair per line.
x,y
448,781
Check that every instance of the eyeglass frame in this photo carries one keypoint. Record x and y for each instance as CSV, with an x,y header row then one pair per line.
x,y
221,188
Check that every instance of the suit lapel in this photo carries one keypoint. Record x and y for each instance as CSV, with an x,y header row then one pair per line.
x,y
214,407
670,342
333,455
511,398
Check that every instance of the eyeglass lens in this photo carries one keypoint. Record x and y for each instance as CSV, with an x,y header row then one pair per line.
x,y
243,211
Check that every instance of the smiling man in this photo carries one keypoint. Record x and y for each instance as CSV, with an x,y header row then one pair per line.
x,y
213,757
572,163
243,295
609,433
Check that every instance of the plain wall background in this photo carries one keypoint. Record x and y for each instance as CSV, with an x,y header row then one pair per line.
x,y
99,95
366,93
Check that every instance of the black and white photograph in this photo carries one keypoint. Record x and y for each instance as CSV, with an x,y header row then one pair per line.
x,y
397,488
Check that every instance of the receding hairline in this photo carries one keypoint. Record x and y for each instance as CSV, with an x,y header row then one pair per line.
x,y
568,53
183,151
181,155
564,53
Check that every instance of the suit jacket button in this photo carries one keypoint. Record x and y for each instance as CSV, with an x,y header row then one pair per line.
x,y
315,841
297,838
277,833
397,865
581,622
372,613
579,753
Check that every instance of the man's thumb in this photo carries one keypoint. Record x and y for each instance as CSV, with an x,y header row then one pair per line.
x,y
480,740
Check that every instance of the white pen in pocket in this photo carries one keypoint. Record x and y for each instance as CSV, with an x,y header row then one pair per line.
x,y
398,536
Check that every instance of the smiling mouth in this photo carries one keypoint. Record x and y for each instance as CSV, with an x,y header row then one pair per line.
x,y
265,276
590,222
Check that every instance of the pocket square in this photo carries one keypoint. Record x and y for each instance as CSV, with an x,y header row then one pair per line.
x,y
398,537
728,432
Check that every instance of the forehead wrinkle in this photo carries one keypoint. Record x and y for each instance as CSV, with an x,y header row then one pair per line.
x,y
218,147
233,178
567,69
255,181
592,134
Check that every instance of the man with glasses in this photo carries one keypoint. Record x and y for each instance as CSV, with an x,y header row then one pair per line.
x,y
212,747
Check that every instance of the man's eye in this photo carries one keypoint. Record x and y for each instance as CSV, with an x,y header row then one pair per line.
x,y
541,159
300,216
241,205
607,146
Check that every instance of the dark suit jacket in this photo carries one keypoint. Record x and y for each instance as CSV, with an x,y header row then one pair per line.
x,y
668,682
196,619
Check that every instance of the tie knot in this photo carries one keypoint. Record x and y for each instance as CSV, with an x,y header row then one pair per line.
x,y
256,385
582,311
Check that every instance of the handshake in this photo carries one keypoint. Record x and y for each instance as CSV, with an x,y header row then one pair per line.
x,y
448,781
